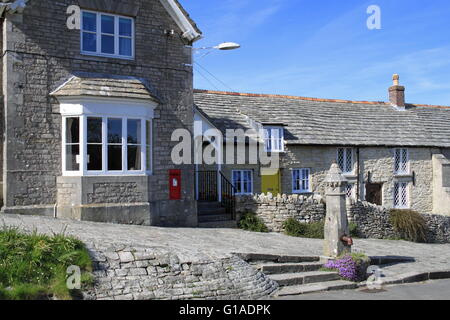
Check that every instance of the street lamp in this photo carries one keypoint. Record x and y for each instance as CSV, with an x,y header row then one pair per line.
x,y
225,46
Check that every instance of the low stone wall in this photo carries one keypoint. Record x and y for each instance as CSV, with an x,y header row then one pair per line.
x,y
147,274
373,222
276,210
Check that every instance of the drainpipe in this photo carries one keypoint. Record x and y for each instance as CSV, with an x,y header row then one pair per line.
x,y
55,211
358,182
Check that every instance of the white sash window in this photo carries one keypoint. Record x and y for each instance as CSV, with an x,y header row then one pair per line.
x,y
301,181
274,139
243,181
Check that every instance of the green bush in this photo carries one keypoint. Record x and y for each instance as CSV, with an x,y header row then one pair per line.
x,y
353,227
33,266
410,225
251,222
294,228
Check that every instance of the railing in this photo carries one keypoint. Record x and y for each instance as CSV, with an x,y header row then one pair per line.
x,y
228,199
207,186
208,190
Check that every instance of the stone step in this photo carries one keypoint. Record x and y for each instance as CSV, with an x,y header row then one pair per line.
x,y
261,258
211,211
214,218
230,224
293,279
208,204
281,268
316,287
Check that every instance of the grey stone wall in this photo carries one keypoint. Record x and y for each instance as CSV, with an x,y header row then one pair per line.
x,y
373,222
40,53
147,274
274,211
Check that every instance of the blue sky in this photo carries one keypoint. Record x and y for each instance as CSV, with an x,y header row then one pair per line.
x,y
323,48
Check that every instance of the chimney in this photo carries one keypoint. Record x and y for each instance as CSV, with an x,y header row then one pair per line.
x,y
397,93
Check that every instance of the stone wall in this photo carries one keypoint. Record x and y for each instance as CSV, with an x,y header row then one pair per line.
x,y
276,210
146,274
373,222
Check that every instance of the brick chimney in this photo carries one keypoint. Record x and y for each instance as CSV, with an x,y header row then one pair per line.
x,y
397,93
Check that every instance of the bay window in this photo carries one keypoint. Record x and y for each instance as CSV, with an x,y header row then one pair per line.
x,y
113,145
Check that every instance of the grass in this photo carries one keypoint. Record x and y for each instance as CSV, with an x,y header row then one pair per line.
x,y
251,222
409,225
33,266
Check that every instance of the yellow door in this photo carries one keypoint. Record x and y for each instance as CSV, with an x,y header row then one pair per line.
x,y
270,181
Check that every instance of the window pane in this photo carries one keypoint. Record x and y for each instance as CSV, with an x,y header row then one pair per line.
x,y
134,131
114,130
89,21
148,132
237,181
134,158
94,130
107,24
149,159
89,42
108,44
72,151
125,27
72,130
125,47
94,152
115,158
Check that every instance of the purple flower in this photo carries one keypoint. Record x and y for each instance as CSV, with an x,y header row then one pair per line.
x,y
347,268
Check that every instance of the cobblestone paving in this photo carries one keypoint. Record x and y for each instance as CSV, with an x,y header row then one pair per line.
x,y
196,245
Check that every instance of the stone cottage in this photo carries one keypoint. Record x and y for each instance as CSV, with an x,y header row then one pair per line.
x,y
92,91
393,154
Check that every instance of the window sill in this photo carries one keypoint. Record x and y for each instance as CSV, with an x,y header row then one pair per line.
x,y
402,175
104,55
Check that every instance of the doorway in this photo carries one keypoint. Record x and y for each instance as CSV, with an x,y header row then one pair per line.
x,y
374,193
270,181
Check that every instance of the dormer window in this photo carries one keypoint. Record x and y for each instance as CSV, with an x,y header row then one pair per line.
x,y
274,139
107,35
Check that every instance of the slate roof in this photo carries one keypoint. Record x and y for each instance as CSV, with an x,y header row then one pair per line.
x,y
102,85
310,121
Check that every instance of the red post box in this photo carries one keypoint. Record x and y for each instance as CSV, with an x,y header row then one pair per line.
x,y
175,184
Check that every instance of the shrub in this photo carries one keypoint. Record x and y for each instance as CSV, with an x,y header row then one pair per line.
x,y
251,222
294,228
410,225
352,267
353,227
33,266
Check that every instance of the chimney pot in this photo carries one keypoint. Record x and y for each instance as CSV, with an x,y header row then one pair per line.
x,y
397,93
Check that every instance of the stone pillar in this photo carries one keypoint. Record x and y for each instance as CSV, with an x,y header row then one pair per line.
x,y
336,222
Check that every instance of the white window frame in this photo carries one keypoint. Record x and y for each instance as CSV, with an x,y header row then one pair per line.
x,y
400,186
116,35
241,172
346,152
105,109
270,137
401,160
300,173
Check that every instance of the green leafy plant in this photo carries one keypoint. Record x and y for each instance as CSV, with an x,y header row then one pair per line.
x,y
353,227
409,225
294,228
251,222
33,266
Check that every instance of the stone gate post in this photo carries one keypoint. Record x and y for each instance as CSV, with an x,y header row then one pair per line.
x,y
336,222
